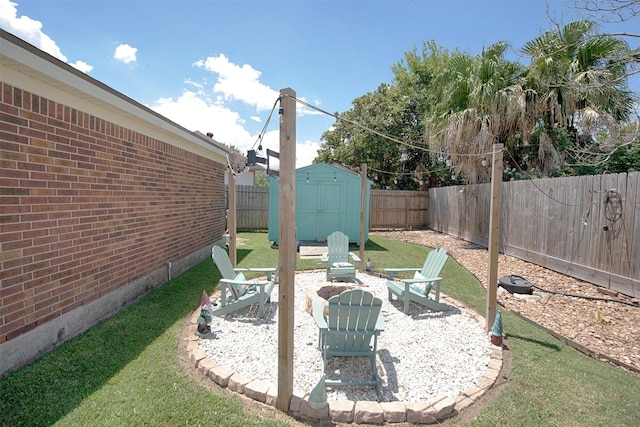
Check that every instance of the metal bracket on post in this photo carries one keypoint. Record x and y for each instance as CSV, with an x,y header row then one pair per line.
x,y
253,159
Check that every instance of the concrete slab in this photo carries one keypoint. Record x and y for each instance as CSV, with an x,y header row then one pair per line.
x,y
312,251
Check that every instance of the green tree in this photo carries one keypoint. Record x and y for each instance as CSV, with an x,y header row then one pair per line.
x,y
421,80
261,179
397,110
625,158
374,116
560,115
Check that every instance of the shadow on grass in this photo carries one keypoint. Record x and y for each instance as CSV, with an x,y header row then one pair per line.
x,y
241,254
534,341
45,391
370,245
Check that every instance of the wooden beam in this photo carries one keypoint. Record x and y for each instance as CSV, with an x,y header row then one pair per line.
x,y
363,213
494,234
287,244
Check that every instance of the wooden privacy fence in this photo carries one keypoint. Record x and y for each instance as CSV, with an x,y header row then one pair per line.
x,y
398,209
587,227
252,207
388,208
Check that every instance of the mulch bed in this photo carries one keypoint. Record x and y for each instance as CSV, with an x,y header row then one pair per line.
x,y
591,322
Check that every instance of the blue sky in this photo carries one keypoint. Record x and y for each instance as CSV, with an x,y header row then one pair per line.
x,y
218,66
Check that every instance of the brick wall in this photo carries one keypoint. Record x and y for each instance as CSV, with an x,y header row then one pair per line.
x,y
87,207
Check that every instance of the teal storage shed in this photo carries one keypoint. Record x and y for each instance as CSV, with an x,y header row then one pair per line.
x,y
328,198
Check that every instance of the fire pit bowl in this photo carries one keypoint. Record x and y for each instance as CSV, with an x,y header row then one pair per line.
x,y
324,293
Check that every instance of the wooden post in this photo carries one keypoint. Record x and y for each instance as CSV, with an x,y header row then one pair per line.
x,y
287,247
363,215
231,220
494,234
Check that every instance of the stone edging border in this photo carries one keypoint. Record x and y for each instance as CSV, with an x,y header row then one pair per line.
x,y
343,411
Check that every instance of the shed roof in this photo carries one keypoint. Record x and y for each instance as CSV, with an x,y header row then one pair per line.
x,y
337,167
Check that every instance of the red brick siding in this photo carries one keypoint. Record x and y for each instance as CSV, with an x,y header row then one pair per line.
x,y
87,206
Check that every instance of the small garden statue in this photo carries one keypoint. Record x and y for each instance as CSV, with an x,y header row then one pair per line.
x,y
318,396
496,330
206,311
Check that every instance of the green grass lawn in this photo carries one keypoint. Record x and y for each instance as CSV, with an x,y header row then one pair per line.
x,y
125,371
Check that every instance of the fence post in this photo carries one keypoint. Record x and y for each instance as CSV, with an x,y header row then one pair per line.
x,y
494,234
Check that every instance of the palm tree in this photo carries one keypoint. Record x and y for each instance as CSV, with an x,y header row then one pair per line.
x,y
482,105
566,104
577,86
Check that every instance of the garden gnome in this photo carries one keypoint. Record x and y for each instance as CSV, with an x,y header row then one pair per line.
x,y
318,396
206,310
496,330
369,266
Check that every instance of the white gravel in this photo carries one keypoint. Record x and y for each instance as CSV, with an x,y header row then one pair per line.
x,y
420,356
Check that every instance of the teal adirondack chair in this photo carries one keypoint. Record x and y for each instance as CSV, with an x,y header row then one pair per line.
x,y
350,329
424,287
337,258
236,291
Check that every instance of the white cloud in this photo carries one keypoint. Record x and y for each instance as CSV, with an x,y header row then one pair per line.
x,y
305,152
27,29
82,66
239,82
30,31
193,112
125,53
210,110
195,84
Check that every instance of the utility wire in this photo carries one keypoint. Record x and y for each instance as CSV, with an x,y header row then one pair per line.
x,y
407,173
540,189
631,303
266,125
384,135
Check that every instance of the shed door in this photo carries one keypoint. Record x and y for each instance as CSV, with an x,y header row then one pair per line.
x,y
332,207
320,209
